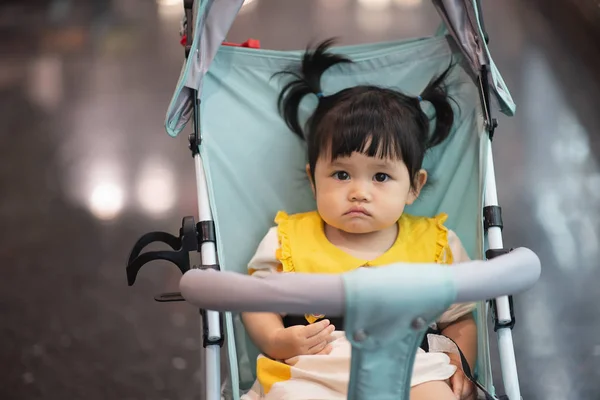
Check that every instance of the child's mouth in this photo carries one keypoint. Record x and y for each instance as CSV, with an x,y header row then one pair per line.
x,y
358,211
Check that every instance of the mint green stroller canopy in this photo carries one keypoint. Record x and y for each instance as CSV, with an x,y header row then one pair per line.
x,y
250,165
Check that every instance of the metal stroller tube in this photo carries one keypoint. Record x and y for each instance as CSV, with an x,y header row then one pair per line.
x,y
320,293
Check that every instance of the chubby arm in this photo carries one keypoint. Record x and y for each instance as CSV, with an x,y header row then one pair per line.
x,y
266,330
458,323
268,333
261,328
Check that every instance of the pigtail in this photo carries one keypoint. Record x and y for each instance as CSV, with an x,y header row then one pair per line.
x,y
435,93
307,81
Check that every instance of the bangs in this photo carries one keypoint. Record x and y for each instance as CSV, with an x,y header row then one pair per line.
x,y
371,136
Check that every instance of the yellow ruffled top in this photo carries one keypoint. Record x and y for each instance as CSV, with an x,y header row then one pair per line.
x,y
303,246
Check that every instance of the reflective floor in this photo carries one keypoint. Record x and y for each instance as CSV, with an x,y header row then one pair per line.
x,y
86,168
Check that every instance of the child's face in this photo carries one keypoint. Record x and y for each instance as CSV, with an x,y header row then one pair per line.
x,y
362,194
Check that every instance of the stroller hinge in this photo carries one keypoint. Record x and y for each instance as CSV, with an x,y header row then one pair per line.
x,y
169,297
194,144
484,87
195,139
216,267
492,217
206,231
207,340
493,253
503,324
489,254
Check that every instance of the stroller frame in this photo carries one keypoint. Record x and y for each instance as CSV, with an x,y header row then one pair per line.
x,y
200,236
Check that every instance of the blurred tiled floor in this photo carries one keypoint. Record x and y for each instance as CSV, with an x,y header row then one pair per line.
x,y
86,168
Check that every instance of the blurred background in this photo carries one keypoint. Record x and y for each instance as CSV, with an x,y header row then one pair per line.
x,y
86,168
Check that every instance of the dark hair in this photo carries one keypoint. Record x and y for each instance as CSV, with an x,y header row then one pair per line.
x,y
375,121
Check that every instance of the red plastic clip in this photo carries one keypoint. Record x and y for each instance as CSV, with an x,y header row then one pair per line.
x,y
250,43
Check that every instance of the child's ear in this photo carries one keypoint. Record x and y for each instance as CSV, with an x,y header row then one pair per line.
x,y
310,178
420,181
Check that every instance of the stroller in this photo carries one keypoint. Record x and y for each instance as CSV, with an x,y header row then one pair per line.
x,y
248,166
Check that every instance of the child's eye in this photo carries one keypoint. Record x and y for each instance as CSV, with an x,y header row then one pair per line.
x,y
341,175
381,177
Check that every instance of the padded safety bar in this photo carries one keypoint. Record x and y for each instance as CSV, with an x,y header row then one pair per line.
x,y
324,294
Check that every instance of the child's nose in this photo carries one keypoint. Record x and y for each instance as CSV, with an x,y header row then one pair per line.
x,y
359,192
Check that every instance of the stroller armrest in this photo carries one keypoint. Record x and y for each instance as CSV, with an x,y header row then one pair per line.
x,y
501,276
324,294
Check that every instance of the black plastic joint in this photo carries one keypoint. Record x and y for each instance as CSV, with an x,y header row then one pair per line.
x,y
509,324
216,267
491,127
206,341
188,4
492,216
206,231
195,139
168,297
194,144
490,254
493,253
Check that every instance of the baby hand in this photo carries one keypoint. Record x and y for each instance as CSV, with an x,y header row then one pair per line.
x,y
300,340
